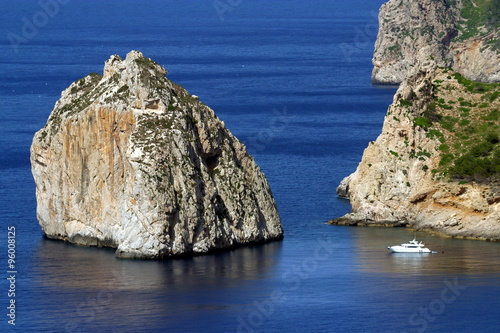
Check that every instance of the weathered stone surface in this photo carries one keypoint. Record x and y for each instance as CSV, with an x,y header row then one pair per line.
x,y
131,160
396,183
416,31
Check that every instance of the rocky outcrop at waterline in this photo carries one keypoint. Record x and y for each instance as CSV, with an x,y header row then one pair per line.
x,y
461,34
436,164
130,160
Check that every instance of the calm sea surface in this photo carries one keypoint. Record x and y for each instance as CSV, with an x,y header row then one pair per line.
x,y
291,79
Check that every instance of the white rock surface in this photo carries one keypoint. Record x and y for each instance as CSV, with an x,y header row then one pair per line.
x,y
130,160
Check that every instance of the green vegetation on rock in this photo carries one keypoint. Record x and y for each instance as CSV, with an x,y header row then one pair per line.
x,y
464,116
478,18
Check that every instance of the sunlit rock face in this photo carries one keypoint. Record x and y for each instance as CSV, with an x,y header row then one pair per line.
x,y
130,160
457,34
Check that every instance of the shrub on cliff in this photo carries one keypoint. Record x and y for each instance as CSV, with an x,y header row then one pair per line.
x,y
482,160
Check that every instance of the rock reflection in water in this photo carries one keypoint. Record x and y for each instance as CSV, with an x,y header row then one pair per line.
x,y
94,289
71,266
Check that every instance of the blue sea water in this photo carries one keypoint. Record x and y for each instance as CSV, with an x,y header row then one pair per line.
x,y
291,79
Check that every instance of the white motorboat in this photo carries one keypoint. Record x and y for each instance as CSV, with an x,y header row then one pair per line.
x,y
410,247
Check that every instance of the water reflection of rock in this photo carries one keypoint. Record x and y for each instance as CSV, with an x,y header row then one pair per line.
x,y
61,265
454,256
94,291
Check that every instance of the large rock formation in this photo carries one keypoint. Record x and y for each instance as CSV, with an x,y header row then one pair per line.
x,y
132,161
436,164
461,34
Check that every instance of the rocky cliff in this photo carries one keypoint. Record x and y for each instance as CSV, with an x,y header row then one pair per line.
x,y
436,164
461,34
130,160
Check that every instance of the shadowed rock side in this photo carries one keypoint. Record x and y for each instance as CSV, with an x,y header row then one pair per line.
x,y
130,160
461,34
415,173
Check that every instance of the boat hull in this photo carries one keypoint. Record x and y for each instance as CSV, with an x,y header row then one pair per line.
x,y
402,249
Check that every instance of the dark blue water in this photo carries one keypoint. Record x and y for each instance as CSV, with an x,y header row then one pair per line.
x,y
291,79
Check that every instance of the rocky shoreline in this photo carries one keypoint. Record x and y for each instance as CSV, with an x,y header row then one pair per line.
x,y
405,176
434,167
352,221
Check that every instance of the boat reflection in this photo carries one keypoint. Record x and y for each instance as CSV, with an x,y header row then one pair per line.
x,y
409,261
453,256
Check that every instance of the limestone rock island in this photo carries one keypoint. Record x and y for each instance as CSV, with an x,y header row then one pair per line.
x,y
132,161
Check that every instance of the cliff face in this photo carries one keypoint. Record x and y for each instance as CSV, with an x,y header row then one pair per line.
x,y
132,161
460,34
436,164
